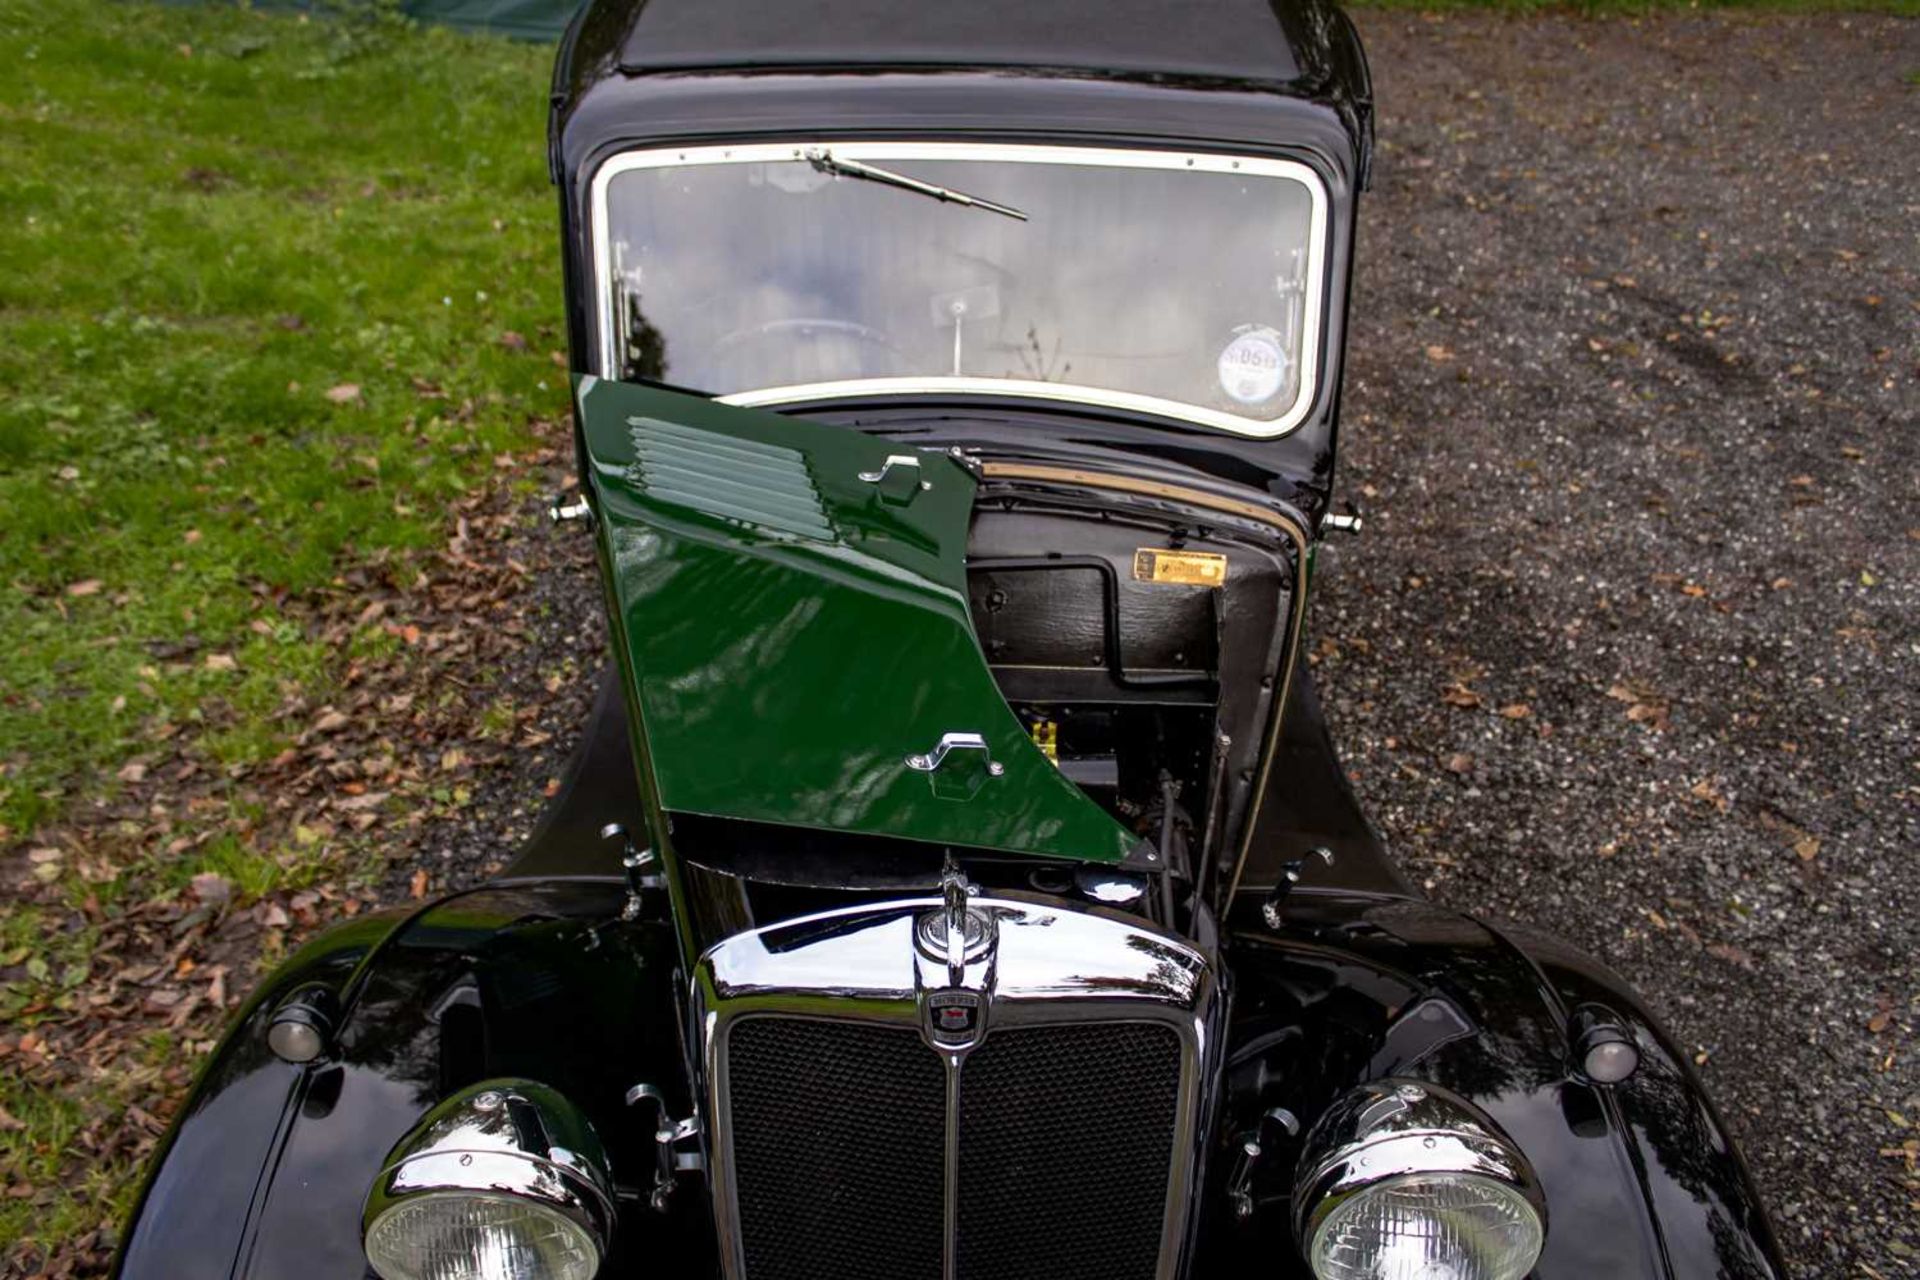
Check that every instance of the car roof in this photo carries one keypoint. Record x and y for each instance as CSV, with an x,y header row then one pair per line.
x,y
1242,40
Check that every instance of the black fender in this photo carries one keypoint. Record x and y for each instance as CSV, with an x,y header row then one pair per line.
x,y
264,1173
1641,1178
190,1217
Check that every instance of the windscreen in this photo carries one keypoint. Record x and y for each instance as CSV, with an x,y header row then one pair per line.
x,y
1155,281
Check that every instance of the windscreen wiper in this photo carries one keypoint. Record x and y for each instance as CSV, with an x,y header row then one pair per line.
x,y
826,162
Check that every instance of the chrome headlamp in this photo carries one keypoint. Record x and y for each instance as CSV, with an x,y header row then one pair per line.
x,y
1402,1180
505,1180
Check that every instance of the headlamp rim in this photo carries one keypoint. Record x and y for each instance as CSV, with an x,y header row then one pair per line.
x,y
502,1140
1397,1128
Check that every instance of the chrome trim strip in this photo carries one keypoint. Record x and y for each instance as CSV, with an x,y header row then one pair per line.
x,y
950,1247
1115,157
1057,963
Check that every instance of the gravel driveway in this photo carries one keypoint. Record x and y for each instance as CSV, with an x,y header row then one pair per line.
x,y
1628,648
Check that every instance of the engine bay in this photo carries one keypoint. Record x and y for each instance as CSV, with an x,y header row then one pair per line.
x,y
1140,644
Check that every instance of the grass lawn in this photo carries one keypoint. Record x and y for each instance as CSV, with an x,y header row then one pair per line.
x,y
241,254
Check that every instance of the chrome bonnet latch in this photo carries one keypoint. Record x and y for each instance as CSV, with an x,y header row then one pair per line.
x,y
898,478
930,761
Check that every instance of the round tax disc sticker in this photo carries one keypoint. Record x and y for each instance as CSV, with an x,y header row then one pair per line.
x,y
1253,365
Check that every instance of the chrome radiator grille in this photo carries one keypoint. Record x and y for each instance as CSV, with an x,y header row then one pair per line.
x,y
837,1150
852,1140
1065,1137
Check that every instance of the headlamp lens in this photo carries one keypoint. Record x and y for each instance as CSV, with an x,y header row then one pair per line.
x,y
474,1236
1443,1226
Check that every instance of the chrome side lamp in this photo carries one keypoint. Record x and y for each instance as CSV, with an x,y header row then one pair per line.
x,y
505,1180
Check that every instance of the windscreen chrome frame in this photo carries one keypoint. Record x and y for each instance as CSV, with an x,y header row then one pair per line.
x,y
1311,324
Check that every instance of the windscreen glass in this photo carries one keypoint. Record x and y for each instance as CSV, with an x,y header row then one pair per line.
x,y
1157,281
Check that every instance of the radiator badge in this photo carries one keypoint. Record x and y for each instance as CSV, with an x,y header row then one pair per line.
x,y
953,1017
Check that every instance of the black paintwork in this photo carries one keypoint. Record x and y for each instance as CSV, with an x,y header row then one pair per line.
x,y
1208,39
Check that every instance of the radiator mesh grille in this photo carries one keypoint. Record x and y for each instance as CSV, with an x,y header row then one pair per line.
x,y
1065,1137
839,1135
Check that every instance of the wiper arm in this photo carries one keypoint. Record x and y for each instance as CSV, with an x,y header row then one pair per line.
x,y
826,162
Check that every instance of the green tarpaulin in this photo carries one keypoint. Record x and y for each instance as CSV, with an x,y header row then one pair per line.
x,y
528,19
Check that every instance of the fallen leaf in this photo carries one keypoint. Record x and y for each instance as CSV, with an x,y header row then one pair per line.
x,y
212,888
221,662
1880,1021
1458,695
344,393
1438,354
132,771
331,721
418,885
1732,954
513,341
1704,790
1808,847
1516,711
1459,762
85,587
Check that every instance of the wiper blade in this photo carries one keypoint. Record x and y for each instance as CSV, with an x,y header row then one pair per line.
x,y
826,162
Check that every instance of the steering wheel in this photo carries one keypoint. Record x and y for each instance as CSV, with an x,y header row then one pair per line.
x,y
817,329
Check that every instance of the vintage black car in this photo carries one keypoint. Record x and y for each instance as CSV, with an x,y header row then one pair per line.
x,y
957,881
